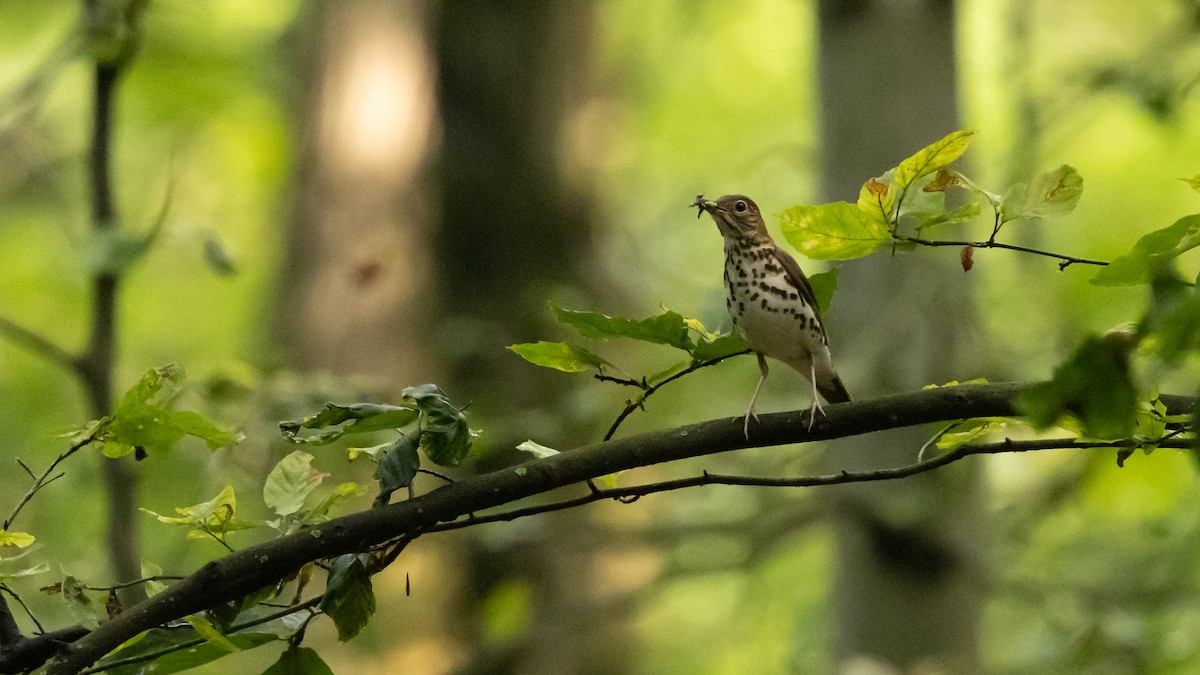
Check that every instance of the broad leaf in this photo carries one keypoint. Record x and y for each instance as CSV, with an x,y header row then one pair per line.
x,y
445,436
15,539
1054,193
211,635
1150,253
558,355
290,482
397,468
960,214
720,347
349,599
931,158
1094,386
824,284
357,417
215,517
668,328
877,198
299,661
837,231
320,512
144,419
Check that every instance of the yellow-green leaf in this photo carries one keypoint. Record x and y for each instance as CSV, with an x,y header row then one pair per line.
x,y
15,539
837,231
558,355
931,158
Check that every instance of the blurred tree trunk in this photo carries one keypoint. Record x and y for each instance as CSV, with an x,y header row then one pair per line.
x,y
909,582
357,280
515,227
436,211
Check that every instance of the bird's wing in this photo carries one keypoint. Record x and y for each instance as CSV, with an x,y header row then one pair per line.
x,y
796,276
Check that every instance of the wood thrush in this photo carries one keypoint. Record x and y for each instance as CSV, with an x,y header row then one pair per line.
x,y
771,302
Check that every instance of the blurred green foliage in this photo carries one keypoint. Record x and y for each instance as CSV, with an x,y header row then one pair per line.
x,y
1093,566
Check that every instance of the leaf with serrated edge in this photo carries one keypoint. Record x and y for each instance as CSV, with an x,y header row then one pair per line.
x,y
837,231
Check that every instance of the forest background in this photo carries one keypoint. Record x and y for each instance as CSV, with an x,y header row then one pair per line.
x,y
362,196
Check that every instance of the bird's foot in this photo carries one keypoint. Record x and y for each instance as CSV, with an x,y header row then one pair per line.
x,y
812,412
746,422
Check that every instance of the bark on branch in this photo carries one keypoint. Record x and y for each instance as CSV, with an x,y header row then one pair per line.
x,y
248,570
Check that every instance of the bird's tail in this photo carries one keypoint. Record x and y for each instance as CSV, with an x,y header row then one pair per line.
x,y
833,391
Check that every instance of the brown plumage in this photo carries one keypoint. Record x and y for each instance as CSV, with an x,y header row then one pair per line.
x,y
771,302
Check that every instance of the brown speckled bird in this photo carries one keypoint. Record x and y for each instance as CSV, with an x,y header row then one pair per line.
x,y
771,302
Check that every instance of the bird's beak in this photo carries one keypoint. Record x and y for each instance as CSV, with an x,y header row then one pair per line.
x,y
703,205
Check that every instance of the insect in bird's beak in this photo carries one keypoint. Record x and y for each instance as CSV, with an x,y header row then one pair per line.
x,y
702,205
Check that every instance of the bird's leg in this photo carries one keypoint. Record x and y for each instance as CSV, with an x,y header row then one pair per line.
x,y
812,412
762,369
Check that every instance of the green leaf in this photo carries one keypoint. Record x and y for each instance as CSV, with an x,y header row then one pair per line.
x,y
397,468
1094,385
961,214
215,517
668,328
299,661
211,635
722,346
445,436
1150,253
144,419
931,158
349,599
194,424
1173,319
837,231
558,355
360,418
78,603
877,198
824,284
320,512
1054,193
537,449
15,539
290,482
158,640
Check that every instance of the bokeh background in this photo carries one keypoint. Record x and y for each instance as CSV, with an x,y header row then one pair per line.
x,y
402,185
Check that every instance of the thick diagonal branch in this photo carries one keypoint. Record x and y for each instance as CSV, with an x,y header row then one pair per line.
x,y
247,570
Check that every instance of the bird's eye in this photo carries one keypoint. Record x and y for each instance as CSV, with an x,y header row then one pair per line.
x,y
740,206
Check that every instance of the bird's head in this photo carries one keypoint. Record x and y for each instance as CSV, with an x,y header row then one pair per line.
x,y
737,216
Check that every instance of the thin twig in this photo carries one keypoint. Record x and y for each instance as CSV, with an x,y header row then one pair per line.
x,y
649,391
1065,259
41,481
28,612
632,493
